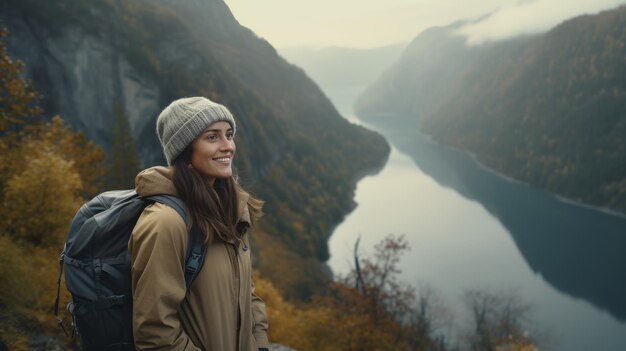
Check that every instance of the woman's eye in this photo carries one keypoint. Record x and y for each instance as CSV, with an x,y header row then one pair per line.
x,y
212,137
230,136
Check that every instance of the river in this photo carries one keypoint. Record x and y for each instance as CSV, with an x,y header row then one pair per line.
x,y
470,228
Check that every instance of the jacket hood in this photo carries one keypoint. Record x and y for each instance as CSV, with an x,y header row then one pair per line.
x,y
158,181
155,181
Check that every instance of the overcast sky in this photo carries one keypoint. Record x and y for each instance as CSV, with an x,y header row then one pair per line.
x,y
373,23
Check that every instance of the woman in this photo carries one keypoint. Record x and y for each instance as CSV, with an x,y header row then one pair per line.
x,y
220,312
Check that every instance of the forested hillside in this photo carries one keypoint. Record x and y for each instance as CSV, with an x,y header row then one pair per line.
x,y
549,110
93,61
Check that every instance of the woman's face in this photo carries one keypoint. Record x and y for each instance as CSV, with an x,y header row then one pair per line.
x,y
212,152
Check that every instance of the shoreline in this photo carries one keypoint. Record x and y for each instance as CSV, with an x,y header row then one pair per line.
x,y
559,197
476,159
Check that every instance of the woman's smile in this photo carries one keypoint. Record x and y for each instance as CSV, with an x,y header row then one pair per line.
x,y
223,160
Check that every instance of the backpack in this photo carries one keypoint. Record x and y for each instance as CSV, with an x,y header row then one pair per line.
x,y
97,267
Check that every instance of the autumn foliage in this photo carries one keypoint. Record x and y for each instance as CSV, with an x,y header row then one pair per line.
x,y
45,170
366,310
370,309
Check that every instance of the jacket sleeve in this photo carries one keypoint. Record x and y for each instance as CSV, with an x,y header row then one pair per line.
x,y
259,319
157,249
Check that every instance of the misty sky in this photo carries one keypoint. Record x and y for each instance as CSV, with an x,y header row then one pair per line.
x,y
373,23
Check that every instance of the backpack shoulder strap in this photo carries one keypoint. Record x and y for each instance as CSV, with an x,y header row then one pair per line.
x,y
195,255
172,201
196,250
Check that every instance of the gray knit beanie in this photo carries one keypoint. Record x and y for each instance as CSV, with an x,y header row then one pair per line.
x,y
184,119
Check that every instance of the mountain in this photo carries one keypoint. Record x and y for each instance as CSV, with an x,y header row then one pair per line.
x,y
549,110
333,67
294,149
422,78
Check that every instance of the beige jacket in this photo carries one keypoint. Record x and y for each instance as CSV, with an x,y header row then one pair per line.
x,y
220,312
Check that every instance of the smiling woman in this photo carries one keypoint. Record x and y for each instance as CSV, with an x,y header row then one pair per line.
x,y
219,310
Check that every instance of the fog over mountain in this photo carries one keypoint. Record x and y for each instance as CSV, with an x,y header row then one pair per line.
x,y
374,23
529,17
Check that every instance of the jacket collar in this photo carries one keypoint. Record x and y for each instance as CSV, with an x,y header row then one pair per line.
x,y
158,181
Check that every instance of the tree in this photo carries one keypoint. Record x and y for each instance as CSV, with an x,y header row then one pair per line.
x,y
497,321
40,201
373,309
58,137
429,317
18,99
124,158
377,277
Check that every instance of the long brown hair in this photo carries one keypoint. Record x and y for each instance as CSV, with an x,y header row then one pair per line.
x,y
213,208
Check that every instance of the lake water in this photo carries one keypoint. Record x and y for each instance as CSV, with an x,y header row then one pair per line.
x,y
471,228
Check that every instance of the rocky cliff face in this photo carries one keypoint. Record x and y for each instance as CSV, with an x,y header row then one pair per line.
x,y
82,77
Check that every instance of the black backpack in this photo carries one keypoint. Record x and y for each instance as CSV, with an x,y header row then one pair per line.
x,y
97,267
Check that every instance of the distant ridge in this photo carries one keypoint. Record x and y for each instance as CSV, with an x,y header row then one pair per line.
x,y
548,110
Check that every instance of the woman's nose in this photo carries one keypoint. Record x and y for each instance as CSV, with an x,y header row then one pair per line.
x,y
227,145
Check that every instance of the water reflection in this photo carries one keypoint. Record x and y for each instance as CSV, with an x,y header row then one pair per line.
x,y
578,250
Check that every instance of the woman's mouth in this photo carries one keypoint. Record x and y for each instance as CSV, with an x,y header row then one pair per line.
x,y
222,160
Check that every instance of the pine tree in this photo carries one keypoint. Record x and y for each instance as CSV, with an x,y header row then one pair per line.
x,y
18,99
124,158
